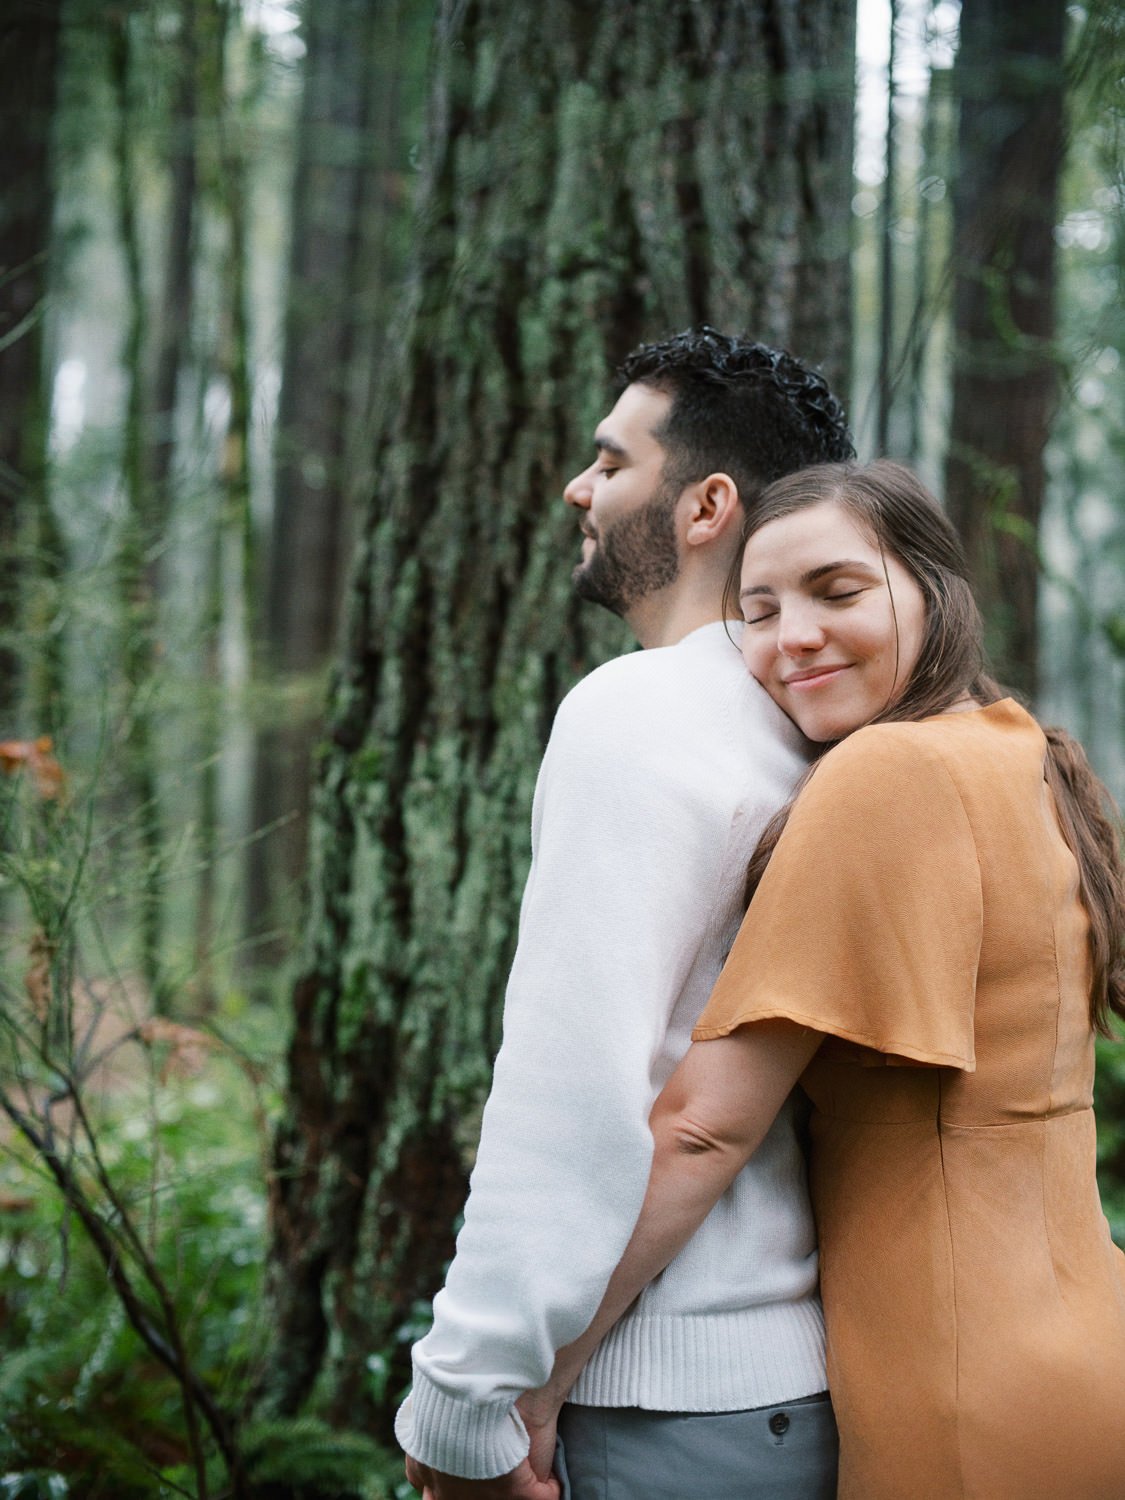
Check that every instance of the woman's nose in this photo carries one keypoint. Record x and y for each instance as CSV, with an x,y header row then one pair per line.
x,y
799,631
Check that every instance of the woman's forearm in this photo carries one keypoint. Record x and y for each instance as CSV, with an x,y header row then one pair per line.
x,y
682,1190
709,1120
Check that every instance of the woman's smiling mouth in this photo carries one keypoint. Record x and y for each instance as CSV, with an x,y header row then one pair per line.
x,y
813,677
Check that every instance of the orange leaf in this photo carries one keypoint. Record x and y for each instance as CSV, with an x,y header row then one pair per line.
x,y
14,753
188,1047
37,756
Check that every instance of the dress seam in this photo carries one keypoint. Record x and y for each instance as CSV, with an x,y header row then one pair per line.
x,y
1055,944
937,755
1054,1056
1042,1119
953,1278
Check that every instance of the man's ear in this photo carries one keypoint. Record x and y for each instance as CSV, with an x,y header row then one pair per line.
x,y
714,510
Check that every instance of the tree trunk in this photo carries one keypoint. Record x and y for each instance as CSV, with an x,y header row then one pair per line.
x,y
174,323
29,49
888,216
596,174
140,529
930,268
228,600
344,259
1009,78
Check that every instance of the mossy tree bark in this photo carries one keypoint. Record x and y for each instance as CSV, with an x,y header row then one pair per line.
x,y
596,174
1009,76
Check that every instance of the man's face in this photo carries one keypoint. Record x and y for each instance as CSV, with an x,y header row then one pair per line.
x,y
631,546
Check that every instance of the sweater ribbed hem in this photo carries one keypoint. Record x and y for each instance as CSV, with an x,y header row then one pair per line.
x,y
477,1440
713,1362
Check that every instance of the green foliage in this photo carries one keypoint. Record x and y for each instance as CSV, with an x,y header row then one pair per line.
x,y
308,1457
78,1390
150,1133
145,1139
1109,1104
33,1487
86,1409
1114,628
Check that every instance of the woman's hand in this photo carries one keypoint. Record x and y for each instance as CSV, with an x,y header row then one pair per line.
x,y
533,1480
540,1413
521,1484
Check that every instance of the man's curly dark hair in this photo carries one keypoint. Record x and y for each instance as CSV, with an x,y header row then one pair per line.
x,y
740,408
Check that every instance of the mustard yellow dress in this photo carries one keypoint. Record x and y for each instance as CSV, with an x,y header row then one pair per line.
x,y
922,910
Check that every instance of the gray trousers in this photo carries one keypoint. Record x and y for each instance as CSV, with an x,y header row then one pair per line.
x,y
783,1452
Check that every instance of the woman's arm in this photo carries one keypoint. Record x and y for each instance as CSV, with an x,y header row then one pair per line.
x,y
713,1113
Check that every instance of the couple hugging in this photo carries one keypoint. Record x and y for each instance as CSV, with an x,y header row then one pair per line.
x,y
818,846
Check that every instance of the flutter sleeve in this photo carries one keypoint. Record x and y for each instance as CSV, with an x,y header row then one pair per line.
x,y
867,922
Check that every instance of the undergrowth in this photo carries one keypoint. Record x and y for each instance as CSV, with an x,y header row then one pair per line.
x,y
133,1207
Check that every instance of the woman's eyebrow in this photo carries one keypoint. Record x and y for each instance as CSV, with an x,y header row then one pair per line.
x,y
815,574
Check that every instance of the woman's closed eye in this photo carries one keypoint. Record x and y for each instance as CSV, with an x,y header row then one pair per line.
x,y
838,598
760,613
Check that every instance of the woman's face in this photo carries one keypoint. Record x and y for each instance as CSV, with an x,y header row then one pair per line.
x,y
821,635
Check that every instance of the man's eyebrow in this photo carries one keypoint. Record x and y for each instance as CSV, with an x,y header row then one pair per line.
x,y
814,575
607,445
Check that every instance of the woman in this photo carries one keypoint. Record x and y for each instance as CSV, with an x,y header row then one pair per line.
x,y
933,941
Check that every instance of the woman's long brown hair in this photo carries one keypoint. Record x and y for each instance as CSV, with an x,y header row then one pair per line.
x,y
891,504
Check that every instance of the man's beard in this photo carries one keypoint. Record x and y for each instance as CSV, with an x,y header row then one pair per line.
x,y
633,556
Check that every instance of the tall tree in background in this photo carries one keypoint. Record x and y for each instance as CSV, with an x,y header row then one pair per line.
x,y
29,50
596,174
145,511
1009,78
343,274
173,324
228,593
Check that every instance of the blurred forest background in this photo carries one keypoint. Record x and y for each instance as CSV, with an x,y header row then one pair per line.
x,y
307,310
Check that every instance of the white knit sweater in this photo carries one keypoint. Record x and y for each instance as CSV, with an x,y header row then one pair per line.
x,y
661,770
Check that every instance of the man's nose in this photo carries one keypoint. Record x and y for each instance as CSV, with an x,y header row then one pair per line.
x,y
579,491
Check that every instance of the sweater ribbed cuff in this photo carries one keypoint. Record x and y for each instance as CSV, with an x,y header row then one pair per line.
x,y
476,1440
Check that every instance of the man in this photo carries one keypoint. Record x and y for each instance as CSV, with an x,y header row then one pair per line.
x,y
662,769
